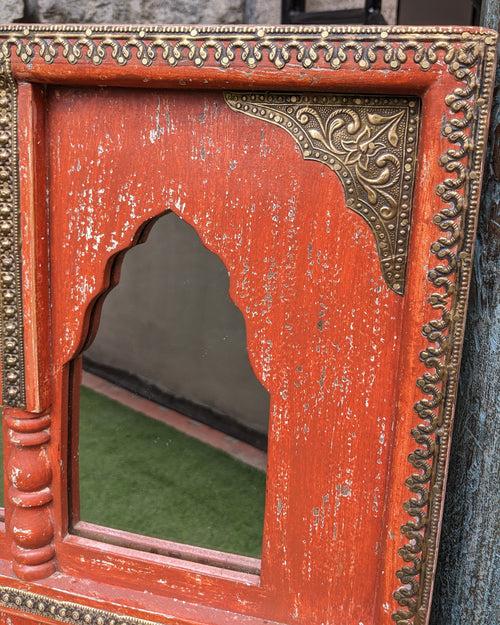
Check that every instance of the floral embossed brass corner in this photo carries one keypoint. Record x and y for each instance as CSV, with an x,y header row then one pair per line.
x,y
370,142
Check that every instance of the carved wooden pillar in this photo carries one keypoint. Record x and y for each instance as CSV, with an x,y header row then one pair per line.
x,y
26,423
29,495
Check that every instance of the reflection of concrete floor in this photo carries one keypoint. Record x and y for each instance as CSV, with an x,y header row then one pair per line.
x,y
232,446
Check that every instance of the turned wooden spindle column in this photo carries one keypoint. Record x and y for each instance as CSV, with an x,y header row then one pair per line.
x,y
29,495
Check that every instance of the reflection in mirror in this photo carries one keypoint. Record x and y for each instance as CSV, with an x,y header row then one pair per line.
x,y
172,420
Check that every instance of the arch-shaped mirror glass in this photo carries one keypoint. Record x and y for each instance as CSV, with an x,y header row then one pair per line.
x,y
172,424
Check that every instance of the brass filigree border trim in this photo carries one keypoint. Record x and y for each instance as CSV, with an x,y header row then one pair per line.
x,y
466,130
227,44
370,142
469,55
62,611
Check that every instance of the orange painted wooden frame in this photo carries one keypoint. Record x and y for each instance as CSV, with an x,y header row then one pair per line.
x,y
362,379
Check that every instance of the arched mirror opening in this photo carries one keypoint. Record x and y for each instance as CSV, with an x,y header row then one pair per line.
x,y
172,421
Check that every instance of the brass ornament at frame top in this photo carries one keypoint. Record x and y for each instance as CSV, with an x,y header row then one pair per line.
x,y
370,142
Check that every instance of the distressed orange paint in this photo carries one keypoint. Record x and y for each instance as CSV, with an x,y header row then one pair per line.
x,y
284,235
337,350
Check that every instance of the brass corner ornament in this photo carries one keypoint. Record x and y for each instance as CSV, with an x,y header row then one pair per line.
x,y
370,142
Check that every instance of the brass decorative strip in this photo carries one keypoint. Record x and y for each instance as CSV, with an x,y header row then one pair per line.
x,y
370,142
469,55
11,325
466,129
223,46
62,611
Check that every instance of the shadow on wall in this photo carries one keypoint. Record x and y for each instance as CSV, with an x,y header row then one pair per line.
x,y
170,332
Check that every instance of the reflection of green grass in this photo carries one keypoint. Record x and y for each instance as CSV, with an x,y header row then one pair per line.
x,y
139,475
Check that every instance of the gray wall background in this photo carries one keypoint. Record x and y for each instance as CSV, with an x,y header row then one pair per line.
x,y
467,590
165,11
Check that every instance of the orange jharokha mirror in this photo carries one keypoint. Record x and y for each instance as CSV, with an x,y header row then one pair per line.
x,y
336,173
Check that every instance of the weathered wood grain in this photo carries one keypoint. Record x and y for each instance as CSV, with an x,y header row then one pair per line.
x,y
285,236
28,472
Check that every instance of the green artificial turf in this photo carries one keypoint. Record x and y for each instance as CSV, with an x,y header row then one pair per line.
x,y
140,475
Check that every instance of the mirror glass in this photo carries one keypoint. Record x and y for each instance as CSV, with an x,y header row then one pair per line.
x,y
170,430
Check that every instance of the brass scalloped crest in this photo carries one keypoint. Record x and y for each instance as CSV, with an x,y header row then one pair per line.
x,y
369,141
469,55
225,45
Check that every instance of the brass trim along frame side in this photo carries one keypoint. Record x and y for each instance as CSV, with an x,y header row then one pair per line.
x,y
11,314
466,129
62,611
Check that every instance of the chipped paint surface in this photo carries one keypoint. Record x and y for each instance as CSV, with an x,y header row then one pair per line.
x,y
303,271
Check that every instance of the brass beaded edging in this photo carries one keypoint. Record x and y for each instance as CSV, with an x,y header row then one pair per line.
x,y
369,141
469,55
11,326
62,611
